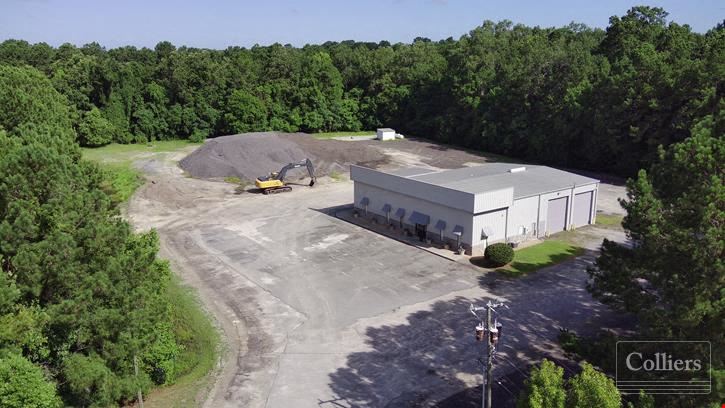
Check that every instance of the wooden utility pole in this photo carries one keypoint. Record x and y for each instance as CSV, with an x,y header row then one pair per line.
x,y
135,370
489,361
489,331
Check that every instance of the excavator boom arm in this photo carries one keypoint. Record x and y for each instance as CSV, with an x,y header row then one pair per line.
x,y
307,163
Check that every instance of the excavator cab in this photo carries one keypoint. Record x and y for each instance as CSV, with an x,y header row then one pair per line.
x,y
274,183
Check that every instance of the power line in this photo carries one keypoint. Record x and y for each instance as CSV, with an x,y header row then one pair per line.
x,y
507,390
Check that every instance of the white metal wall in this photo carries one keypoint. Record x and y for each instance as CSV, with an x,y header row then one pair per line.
x,y
523,217
493,200
492,223
379,197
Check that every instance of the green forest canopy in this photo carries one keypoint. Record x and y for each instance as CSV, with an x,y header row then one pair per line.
x,y
81,295
570,96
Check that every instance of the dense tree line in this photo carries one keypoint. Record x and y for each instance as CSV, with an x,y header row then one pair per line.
x,y
81,295
673,277
571,96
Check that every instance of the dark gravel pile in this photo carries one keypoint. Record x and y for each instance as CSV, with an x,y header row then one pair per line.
x,y
250,155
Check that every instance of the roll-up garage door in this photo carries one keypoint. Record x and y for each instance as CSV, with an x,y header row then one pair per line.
x,y
582,212
556,215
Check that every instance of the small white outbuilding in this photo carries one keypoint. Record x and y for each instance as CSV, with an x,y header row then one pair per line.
x,y
386,134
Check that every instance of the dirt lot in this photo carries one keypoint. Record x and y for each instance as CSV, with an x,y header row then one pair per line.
x,y
317,312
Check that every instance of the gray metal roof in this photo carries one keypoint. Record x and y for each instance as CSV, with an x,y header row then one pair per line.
x,y
386,130
412,171
495,176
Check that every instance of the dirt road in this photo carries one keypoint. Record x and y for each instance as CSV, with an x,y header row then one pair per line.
x,y
318,312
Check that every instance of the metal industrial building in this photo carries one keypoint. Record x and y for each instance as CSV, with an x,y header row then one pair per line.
x,y
480,205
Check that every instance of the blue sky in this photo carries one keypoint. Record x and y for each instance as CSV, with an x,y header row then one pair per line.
x,y
221,23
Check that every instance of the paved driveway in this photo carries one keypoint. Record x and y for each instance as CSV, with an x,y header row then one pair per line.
x,y
319,312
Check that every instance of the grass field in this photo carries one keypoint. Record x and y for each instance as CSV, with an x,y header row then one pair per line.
x,y
539,256
609,220
330,135
116,161
115,152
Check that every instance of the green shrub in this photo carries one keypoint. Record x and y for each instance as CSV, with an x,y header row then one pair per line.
x,y
22,384
499,254
544,388
94,129
591,388
198,136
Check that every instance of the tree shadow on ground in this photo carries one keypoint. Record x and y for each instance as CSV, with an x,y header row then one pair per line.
x,y
434,355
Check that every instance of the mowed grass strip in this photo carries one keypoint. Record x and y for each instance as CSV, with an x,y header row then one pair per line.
x,y
609,220
116,152
330,135
533,258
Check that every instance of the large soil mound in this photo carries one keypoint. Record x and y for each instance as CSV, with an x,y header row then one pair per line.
x,y
251,155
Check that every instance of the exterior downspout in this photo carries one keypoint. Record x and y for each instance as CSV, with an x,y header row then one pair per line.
x,y
538,217
594,205
506,227
569,216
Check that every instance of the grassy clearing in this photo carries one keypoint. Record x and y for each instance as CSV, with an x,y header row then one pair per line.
x,y
539,256
115,152
200,342
330,135
116,161
609,220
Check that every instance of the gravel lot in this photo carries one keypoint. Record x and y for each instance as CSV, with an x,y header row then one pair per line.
x,y
317,312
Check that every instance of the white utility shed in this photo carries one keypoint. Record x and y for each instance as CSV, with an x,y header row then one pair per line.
x,y
476,206
385,134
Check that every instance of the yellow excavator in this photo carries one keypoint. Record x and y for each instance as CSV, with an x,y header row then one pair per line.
x,y
274,183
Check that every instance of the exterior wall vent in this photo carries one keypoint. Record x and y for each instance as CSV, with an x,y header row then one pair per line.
x,y
517,170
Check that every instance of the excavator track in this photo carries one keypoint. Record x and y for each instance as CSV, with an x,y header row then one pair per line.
x,y
277,190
